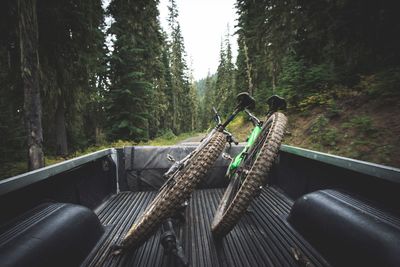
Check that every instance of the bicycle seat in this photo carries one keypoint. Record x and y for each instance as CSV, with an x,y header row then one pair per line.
x,y
276,102
245,100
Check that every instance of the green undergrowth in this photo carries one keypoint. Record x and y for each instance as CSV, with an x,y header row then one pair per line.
x,y
354,122
351,122
168,138
240,127
356,137
359,122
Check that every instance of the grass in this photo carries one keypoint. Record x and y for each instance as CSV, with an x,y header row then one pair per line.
x,y
346,122
240,127
15,168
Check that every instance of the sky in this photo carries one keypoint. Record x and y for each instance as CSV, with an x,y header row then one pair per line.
x,y
204,24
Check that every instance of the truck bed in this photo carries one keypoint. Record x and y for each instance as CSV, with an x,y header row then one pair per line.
x,y
319,208
262,238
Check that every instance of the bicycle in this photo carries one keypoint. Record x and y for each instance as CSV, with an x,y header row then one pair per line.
x,y
248,171
181,180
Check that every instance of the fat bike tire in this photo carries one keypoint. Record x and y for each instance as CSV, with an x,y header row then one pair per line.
x,y
172,196
235,202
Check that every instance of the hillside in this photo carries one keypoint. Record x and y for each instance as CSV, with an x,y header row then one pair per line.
x,y
345,122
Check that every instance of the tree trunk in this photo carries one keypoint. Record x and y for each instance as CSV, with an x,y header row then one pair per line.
x,y
28,42
248,69
273,78
61,131
98,135
175,115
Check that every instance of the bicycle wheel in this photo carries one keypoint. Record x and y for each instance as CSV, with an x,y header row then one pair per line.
x,y
172,195
252,174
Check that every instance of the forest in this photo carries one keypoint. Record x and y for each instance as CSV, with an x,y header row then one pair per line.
x,y
63,90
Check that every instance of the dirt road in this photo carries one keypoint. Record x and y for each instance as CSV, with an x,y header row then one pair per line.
x,y
196,138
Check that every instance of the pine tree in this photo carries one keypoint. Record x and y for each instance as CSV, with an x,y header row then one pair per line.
x,y
182,111
225,83
209,101
134,65
160,119
193,106
96,61
12,128
168,92
243,81
72,57
230,76
298,48
28,43
220,92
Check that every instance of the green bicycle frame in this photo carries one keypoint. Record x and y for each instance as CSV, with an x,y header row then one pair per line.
x,y
250,141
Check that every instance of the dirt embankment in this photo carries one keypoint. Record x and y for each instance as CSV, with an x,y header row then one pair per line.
x,y
351,125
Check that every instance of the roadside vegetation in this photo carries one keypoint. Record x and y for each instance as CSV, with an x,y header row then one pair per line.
x,y
71,91
167,139
350,122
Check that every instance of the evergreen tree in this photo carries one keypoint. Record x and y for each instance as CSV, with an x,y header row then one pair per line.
x,y
166,118
208,101
243,80
28,44
193,106
182,111
160,119
12,130
134,65
225,86
221,90
297,47
72,57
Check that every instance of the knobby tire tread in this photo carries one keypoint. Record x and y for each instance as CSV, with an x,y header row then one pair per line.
x,y
170,198
224,221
